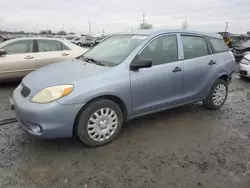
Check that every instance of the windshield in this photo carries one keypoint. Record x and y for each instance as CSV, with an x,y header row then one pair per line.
x,y
247,43
115,49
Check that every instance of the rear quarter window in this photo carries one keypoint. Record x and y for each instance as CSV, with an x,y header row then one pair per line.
x,y
218,45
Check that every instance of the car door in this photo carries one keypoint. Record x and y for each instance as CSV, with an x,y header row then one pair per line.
x,y
199,65
159,86
19,59
50,51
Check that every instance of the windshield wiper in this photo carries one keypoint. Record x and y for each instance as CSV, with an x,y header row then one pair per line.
x,y
93,61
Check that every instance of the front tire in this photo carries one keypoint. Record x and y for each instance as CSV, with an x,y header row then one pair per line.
x,y
100,123
217,95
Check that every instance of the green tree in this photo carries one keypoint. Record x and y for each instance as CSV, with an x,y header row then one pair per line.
x,y
145,26
62,33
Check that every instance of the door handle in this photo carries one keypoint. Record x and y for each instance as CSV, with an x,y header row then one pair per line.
x,y
177,69
29,57
65,54
211,62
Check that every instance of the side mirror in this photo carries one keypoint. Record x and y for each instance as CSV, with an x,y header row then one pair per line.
x,y
138,64
2,51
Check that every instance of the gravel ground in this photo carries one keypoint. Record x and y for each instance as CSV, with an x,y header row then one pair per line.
x,y
184,147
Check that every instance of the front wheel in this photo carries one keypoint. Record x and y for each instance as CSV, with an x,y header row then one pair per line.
x,y
217,95
100,123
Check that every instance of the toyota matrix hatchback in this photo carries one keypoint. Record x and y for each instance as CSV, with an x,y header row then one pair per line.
x,y
125,76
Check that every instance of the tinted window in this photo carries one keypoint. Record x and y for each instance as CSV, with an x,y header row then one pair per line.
x,y
49,45
219,45
64,47
161,50
19,47
194,47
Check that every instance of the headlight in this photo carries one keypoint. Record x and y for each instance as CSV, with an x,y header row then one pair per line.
x,y
53,93
245,61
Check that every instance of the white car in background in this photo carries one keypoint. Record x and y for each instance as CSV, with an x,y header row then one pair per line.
x,y
244,69
20,56
77,41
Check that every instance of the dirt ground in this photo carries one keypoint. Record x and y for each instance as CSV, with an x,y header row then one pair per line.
x,y
187,147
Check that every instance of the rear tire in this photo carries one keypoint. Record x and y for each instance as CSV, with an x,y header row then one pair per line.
x,y
217,95
79,44
100,123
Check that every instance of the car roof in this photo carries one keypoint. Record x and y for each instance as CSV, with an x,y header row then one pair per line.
x,y
155,32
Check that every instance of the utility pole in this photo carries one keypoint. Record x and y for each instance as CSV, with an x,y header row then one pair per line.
x,y
143,18
89,27
226,27
62,30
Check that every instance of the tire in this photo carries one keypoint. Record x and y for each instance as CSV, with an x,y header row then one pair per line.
x,y
79,44
209,102
84,131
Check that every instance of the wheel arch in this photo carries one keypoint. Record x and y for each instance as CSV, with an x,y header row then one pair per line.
x,y
113,98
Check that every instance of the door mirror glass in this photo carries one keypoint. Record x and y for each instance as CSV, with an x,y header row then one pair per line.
x,y
138,64
2,51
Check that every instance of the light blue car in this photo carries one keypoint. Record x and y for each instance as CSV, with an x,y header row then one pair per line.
x,y
126,76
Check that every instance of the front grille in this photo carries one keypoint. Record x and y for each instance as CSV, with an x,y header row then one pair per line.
x,y
244,73
25,91
238,52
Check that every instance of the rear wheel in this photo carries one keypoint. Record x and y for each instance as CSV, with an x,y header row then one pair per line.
x,y
217,95
100,123
79,44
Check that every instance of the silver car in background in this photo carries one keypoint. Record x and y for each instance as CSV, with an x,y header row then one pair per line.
x,y
18,57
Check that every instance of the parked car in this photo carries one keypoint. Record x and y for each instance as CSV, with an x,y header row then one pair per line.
x,y
84,40
19,57
124,77
89,41
244,68
77,40
241,50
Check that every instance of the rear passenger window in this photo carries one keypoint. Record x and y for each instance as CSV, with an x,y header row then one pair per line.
x,y
218,44
49,45
194,47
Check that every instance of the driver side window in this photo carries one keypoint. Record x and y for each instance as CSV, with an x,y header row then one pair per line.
x,y
161,50
19,47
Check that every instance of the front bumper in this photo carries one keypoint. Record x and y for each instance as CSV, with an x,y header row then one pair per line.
x,y
244,70
46,121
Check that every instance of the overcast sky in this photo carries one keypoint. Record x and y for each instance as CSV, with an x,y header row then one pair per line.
x,y
124,15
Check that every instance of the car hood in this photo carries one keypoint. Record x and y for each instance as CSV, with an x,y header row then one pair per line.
x,y
66,72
